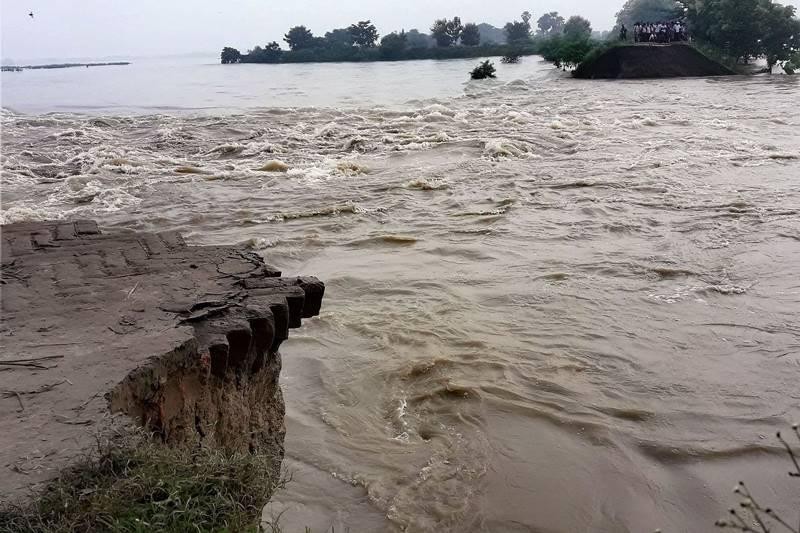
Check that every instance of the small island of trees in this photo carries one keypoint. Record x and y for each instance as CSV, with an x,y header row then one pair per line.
x,y
733,32
448,39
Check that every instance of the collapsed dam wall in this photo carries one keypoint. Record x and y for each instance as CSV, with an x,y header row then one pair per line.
x,y
650,61
98,328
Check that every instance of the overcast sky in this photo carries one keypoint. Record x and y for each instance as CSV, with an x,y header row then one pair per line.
x,y
98,28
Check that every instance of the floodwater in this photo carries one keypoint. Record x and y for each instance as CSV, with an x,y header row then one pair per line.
x,y
552,305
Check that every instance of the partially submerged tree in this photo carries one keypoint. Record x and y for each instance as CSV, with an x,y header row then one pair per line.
x,y
230,55
299,38
483,71
744,29
730,25
271,53
780,33
470,35
564,52
364,34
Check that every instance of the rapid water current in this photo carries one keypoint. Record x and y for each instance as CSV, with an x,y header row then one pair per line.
x,y
552,305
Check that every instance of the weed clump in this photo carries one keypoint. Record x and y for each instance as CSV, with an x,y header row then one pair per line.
x,y
140,485
753,516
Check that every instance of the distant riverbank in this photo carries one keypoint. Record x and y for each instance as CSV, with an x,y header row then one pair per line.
x,y
14,68
359,55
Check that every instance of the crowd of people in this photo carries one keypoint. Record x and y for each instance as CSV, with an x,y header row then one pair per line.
x,y
659,32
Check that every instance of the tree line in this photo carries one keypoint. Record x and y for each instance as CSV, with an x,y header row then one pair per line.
x,y
739,29
448,38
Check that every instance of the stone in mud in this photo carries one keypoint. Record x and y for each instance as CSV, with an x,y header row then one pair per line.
x,y
182,339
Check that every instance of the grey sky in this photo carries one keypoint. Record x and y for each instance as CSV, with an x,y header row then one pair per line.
x,y
97,28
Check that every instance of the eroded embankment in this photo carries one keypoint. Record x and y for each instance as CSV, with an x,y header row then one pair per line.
x,y
183,340
650,61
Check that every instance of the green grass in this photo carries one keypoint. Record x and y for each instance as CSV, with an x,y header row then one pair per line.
x,y
718,55
143,486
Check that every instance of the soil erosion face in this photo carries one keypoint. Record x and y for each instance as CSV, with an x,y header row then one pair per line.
x,y
182,339
651,61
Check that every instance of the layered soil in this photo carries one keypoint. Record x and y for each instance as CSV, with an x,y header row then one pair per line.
x,y
101,329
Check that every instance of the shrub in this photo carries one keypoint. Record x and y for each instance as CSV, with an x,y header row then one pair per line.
x,y
483,71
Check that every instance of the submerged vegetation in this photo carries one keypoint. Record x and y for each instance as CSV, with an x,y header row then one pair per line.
x,y
140,485
753,516
483,71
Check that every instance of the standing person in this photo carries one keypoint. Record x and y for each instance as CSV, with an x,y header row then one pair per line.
x,y
623,33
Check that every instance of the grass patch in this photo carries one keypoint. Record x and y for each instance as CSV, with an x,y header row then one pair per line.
x,y
718,55
142,486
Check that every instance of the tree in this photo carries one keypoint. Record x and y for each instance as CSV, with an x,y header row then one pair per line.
x,y
526,18
519,31
447,32
780,32
439,32
393,45
416,39
364,34
299,38
634,11
454,29
230,55
339,38
550,23
565,52
491,34
471,35
731,25
577,28
793,64
272,52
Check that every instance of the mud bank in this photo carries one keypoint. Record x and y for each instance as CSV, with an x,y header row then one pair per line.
x,y
650,61
99,329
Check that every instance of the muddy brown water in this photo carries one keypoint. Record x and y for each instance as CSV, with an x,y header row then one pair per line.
x,y
551,305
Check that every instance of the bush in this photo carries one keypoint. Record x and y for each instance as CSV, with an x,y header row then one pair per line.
x,y
141,486
565,52
483,71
